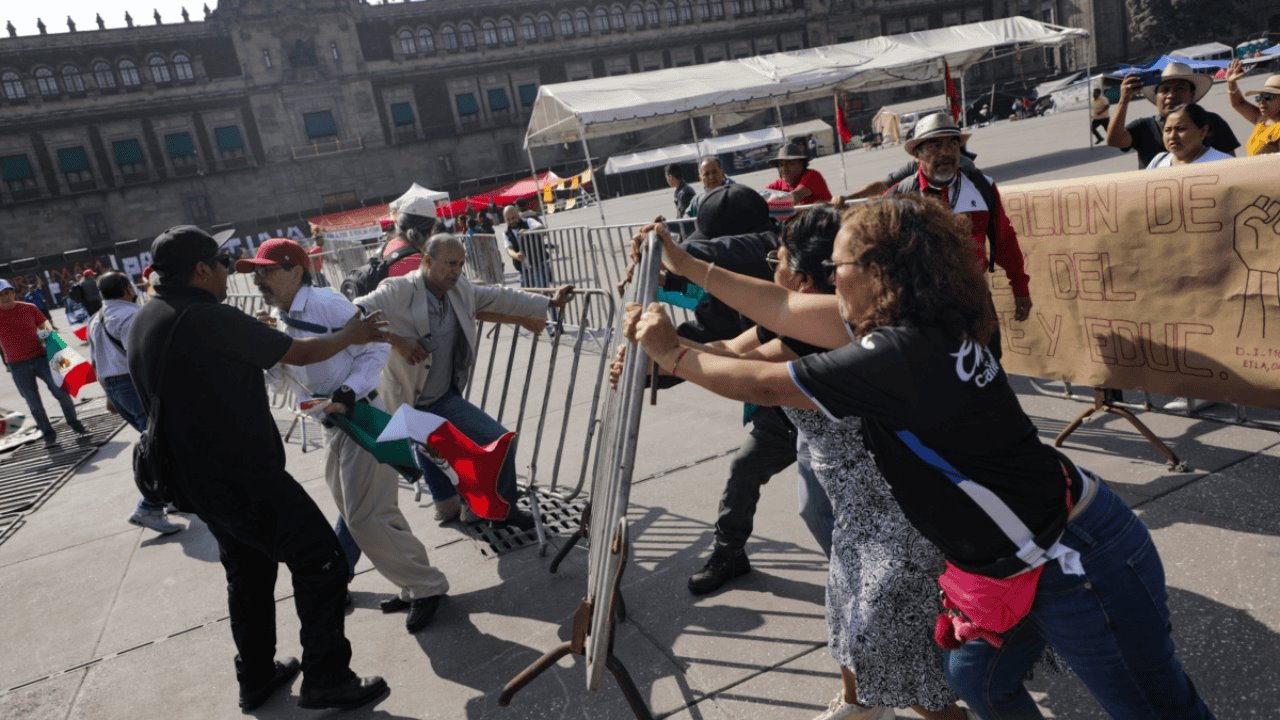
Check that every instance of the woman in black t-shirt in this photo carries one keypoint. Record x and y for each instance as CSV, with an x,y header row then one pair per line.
x,y
963,460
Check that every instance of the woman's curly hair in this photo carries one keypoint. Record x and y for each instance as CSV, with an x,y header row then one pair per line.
x,y
929,274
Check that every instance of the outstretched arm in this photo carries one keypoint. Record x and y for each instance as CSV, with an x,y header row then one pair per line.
x,y
1118,135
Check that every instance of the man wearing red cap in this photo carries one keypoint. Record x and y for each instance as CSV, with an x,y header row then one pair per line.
x,y
86,292
364,489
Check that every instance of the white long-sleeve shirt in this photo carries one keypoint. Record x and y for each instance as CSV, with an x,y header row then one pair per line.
x,y
359,367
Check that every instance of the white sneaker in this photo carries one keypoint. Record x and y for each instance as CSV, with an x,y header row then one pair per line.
x,y
154,519
1187,404
841,710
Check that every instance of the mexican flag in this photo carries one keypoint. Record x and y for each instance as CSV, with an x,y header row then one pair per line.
x,y
69,367
473,468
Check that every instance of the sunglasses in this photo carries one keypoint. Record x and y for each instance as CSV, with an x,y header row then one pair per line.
x,y
219,258
1266,97
264,270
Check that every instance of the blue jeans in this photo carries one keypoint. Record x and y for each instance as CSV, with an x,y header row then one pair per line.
x,y
124,397
815,506
482,429
349,547
1111,625
25,374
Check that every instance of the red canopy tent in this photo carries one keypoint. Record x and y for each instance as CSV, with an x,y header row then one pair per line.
x,y
359,224
505,195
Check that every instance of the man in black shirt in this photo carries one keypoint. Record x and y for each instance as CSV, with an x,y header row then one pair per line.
x,y
684,191
1178,85
218,437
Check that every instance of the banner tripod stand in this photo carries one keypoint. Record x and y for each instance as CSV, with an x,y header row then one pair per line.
x,y
577,644
1101,403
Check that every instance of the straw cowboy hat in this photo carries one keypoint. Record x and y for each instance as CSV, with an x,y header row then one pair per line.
x,y
791,151
1181,71
1272,86
935,126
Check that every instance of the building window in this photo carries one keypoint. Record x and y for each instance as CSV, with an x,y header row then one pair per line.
x,y
467,36
182,67
499,103
182,152
129,76
72,80
684,12
426,41
103,77
669,13
448,38
582,22
46,83
651,15
402,115
488,33
972,15
320,125
407,44
617,19
528,29
198,210
735,8
506,31
12,84
468,108
74,163
546,30
229,141
637,17
895,26
509,156
748,7
918,22
701,11
601,20
339,201
717,9
528,94
17,173
128,154
95,225
159,70
566,25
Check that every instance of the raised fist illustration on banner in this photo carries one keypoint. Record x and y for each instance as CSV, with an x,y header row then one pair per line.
x,y
1257,244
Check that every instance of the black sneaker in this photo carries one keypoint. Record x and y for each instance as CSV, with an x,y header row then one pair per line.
x,y
78,428
519,520
253,696
51,441
719,570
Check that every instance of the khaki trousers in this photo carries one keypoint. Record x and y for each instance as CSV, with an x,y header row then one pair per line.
x,y
366,492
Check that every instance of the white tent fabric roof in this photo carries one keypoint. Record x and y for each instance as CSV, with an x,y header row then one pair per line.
x,y
719,145
1202,52
598,107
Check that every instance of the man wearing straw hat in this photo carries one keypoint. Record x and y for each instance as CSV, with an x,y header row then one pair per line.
x,y
1178,85
795,176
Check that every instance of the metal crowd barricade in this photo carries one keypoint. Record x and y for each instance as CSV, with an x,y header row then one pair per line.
x,y
592,634
554,414
484,259
614,243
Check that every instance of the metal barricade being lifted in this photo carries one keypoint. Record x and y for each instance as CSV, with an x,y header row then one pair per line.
x,y
592,633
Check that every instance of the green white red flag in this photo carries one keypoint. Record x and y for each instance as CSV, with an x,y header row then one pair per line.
x,y
70,369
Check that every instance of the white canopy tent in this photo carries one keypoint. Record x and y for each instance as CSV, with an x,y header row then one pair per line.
x,y
585,109
720,145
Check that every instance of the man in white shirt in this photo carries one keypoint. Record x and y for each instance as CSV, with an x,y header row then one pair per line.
x,y
108,333
364,489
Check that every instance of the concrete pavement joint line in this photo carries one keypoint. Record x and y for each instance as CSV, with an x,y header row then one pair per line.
x,y
686,466
1193,481
715,693
69,547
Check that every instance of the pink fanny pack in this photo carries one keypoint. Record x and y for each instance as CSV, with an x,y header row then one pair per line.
x,y
980,607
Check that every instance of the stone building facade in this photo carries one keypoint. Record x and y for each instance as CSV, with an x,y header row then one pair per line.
x,y
271,111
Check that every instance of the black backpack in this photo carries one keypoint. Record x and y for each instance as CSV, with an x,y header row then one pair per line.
x,y
365,279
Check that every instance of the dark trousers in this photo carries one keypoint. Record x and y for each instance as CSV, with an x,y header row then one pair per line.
x,y
1099,123
272,523
770,448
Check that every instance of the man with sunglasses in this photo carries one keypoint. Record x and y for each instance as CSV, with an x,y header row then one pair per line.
x,y
226,463
364,489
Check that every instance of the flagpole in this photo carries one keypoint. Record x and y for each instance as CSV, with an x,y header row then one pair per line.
x,y
844,178
777,109
964,108
537,183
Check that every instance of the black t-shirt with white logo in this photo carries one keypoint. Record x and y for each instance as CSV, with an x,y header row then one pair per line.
x,y
935,408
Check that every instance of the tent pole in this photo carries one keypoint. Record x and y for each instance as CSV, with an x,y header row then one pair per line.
x,y
964,108
697,145
537,182
595,179
777,109
844,178
1088,99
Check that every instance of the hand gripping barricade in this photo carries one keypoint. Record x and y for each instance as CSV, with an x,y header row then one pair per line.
x,y
592,635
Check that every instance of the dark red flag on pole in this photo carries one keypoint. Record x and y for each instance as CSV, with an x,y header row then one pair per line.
x,y
953,98
842,125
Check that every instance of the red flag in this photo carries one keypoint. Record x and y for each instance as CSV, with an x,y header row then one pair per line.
x,y
842,125
953,98
472,468
82,333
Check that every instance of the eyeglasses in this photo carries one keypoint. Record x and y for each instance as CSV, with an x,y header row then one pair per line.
x,y
1265,97
831,266
771,259
264,270
218,258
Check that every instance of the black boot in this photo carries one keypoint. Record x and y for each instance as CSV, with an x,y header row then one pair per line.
x,y
345,695
720,569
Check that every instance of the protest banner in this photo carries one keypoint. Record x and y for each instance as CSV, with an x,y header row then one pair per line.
x,y
1160,280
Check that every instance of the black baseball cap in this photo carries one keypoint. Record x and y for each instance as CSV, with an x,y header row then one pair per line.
x,y
731,210
178,249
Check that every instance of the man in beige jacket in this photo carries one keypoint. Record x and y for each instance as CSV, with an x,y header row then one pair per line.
x,y
432,315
